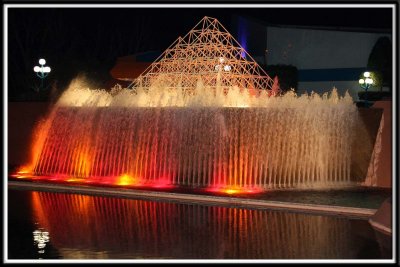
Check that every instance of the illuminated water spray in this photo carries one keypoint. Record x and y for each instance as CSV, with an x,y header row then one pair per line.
x,y
200,116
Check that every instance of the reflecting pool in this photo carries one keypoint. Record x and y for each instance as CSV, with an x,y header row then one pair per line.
x,y
45,225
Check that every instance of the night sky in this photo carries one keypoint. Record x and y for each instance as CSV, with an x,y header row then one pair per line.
x,y
90,39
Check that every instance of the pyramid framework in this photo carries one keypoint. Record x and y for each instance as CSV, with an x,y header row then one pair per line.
x,y
207,54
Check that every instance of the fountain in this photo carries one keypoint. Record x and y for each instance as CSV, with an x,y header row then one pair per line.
x,y
204,114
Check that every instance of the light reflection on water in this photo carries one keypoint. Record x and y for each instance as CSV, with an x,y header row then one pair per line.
x,y
40,238
93,227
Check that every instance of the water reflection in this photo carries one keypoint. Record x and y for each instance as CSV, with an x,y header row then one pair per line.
x,y
101,227
40,238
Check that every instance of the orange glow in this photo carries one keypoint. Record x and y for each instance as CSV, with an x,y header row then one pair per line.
x,y
25,170
38,139
231,191
126,180
75,180
235,190
39,210
21,176
81,161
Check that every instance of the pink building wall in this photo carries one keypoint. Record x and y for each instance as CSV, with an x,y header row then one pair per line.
x,y
380,169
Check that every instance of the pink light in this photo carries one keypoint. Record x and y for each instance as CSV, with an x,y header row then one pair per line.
x,y
162,182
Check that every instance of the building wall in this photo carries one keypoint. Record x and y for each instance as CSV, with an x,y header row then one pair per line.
x,y
324,58
319,49
22,120
380,168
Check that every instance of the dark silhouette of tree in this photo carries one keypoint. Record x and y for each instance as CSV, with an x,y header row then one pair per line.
x,y
380,61
72,41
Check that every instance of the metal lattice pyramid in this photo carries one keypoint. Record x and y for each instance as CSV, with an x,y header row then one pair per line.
x,y
207,54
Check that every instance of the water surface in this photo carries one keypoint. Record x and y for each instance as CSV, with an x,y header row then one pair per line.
x,y
94,227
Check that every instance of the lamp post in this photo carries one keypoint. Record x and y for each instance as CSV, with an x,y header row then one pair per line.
x,y
42,71
366,83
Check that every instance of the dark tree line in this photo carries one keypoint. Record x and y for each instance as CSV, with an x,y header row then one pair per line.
x,y
72,43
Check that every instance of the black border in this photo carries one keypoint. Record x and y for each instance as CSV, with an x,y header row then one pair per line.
x,y
283,2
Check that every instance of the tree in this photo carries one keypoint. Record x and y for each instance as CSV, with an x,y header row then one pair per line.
x,y
380,61
72,41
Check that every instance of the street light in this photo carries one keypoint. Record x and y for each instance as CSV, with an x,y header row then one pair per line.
x,y
366,83
42,71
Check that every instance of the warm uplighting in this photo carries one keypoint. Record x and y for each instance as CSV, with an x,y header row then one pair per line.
x,y
235,190
23,172
20,176
82,161
231,191
126,180
75,180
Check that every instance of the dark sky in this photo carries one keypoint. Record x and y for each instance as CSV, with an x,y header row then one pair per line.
x,y
83,39
164,25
